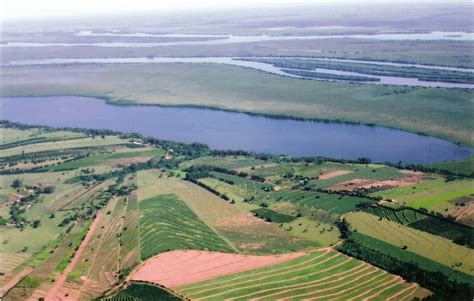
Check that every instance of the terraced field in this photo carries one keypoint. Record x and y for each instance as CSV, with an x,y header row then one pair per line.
x,y
433,247
130,239
321,275
167,223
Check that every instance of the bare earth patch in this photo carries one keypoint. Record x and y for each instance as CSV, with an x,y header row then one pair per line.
x,y
334,173
356,184
465,213
185,267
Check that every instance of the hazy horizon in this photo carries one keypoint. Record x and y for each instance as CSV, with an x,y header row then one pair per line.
x,y
12,10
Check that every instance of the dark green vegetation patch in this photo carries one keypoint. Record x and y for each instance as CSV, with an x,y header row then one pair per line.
x,y
273,216
141,292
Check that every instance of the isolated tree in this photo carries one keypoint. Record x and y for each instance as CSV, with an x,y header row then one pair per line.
x,y
17,183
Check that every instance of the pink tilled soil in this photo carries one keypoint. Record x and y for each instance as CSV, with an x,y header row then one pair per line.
x,y
184,267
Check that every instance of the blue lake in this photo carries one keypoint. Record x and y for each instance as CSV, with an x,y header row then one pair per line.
x,y
238,131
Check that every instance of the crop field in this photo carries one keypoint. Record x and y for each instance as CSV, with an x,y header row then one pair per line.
x,y
130,239
167,223
319,275
332,203
96,269
425,110
431,246
175,268
247,233
11,260
409,256
242,187
321,233
433,195
141,291
234,192
86,226
458,233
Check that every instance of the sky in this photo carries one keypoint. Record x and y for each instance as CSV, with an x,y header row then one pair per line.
x,y
18,9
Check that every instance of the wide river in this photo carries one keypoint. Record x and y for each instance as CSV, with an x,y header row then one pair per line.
x,y
238,131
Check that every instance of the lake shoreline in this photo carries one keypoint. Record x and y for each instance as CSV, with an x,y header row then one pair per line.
x,y
126,103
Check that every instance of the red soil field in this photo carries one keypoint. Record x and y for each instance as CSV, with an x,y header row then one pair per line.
x,y
185,267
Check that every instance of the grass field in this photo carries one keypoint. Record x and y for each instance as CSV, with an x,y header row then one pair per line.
x,y
409,256
322,234
103,158
167,223
440,112
12,135
433,247
433,195
463,167
74,143
228,162
319,275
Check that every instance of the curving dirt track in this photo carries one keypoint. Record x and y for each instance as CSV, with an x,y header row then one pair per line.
x,y
185,267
